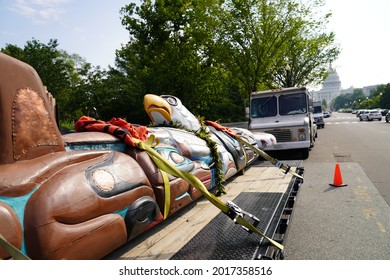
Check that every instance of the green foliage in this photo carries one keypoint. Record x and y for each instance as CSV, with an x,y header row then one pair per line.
x,y
381,96
355,100
324,105
307,49
169,54
367,104
204,133
213,54
58,71
209,53
54,70
248,39
278,43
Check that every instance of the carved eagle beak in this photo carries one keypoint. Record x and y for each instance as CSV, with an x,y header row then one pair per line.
x,y
157,108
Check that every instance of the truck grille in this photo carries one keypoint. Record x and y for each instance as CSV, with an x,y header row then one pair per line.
x,y
281,135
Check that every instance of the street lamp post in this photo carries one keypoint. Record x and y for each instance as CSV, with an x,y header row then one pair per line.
x,y
288,75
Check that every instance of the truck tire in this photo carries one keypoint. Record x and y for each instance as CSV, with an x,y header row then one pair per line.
x,y
305,153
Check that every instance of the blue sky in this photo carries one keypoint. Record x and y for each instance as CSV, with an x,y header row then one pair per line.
x,y
362,28
92,29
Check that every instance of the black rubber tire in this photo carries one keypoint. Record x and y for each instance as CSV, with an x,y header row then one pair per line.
x,y
305,153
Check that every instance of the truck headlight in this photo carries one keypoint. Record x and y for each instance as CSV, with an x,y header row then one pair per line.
x,y
301,134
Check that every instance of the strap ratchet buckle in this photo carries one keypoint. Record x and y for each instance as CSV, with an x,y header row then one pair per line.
x,y
235,211
280,165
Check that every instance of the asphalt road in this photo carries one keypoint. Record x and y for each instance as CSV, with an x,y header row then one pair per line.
x,y
346,139
351,222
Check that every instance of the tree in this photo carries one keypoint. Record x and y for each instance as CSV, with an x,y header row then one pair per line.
x,y
209,53
213,54
381,96
55,67
340,101
169,53
324,104
356,99
367,104
248,40
54,70
74,83
274,43
357,94
309,49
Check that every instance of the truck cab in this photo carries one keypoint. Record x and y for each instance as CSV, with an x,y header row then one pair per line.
x,y
286,114
318,115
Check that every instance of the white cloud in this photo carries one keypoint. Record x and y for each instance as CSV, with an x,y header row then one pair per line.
x,y
40,11
22,8
51,13
48,3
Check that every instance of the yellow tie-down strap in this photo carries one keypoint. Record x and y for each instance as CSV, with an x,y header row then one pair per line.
x,y
167,193
12,250
230,209
275,162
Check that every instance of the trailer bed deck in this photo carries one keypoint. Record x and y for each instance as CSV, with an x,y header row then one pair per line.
x,y
202,231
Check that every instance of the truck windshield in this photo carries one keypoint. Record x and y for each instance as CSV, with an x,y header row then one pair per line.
x,y
317,109
292,104
264,107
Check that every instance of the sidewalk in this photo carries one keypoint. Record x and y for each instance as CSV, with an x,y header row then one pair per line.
x,y
329,223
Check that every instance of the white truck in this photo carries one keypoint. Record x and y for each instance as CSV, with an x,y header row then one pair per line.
x,y
286,114
318,115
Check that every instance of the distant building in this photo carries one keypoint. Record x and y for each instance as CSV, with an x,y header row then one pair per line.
x,y
367,90
331,88
348,90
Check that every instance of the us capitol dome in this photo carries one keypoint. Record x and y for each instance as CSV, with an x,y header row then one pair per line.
x,y
331,88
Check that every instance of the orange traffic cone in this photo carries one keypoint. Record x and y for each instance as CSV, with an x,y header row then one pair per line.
x,y
338,180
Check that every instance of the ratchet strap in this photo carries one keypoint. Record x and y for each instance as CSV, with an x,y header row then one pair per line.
x,y
12,250
167,193
229,208
273,161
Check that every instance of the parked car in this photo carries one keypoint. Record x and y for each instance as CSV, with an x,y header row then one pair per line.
x,y
387,117
358,112
370,115
384,112
327,114
318,115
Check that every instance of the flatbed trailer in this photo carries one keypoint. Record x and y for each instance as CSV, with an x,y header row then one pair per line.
x,y
201,231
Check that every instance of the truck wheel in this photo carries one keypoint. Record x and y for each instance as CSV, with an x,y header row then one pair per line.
x,y
305,153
